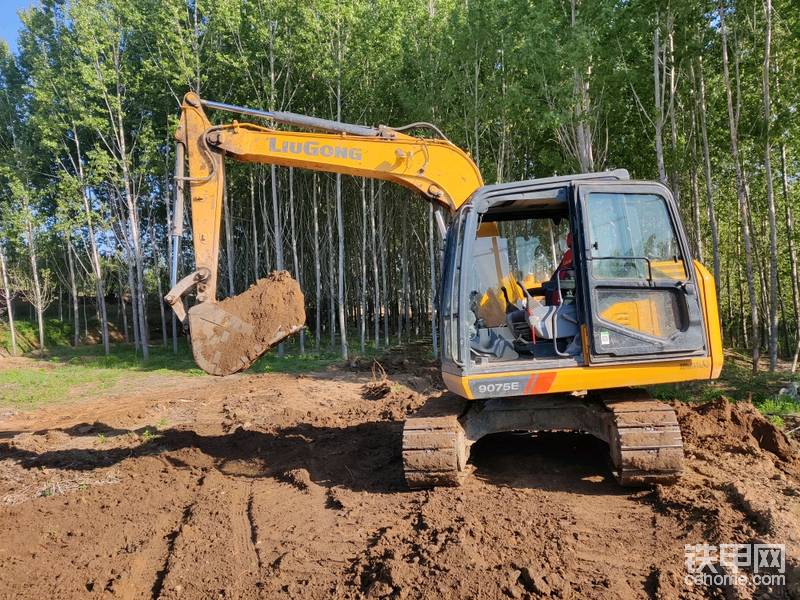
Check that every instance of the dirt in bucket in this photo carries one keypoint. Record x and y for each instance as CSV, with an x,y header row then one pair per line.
x,y
231,335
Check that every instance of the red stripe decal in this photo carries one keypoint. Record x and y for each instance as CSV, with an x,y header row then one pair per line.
x,y
531,384
543,383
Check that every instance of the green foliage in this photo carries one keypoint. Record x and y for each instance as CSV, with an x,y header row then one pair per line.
x,y
66,373
57,333
778,406
149,434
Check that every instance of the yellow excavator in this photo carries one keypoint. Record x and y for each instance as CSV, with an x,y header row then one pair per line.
x,y
528,342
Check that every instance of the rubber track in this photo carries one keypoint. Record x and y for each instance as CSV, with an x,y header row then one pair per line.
x,y
646,443
434,452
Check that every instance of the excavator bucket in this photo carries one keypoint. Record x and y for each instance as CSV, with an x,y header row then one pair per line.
x,y
229,336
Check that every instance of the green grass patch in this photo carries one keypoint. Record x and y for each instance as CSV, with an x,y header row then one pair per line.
x,y
125,357
31,387
779,405
56,333
63,373
736,382
294,362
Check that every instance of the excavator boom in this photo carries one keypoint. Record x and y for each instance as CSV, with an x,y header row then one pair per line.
x,y
230,335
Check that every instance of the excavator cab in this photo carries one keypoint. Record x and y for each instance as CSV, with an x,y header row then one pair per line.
x,y
630,295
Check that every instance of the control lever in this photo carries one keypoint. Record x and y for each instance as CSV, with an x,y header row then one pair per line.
x,y
532,319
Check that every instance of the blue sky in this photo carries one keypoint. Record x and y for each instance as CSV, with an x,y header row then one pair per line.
x,y
9,22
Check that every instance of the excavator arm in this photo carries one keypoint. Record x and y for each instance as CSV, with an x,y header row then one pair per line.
x,y
230,335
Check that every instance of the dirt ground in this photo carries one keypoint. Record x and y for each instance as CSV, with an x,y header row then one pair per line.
x,y
283,486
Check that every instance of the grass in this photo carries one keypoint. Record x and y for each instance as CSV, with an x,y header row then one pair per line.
x,y
63,373
56,333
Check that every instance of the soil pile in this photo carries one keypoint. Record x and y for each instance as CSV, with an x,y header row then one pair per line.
x,y
741,484
723,426
231,335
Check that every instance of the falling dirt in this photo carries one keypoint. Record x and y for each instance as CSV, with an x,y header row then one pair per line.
x,y
229,336
281,486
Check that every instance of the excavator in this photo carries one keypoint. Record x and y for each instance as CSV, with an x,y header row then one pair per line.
x,y
529,343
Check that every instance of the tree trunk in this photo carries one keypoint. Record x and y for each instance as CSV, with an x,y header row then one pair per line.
x,y
135,243
94,254
658,91
363,291
123,310
159,287
331,277
256,270
9,306
375,281
695,190
73,289
773,222
792,253
295,265
432,291
673,88
403,296
340,298
384,288
229,249
277,226
740,192
262,188
137,342
173,252
340,211
317,271
37,288
712,217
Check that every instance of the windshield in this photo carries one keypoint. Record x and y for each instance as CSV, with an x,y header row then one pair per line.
x,y
632,237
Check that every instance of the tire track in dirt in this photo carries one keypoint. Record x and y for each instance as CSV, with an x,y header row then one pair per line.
x,y
171,537
253,530
213,549
303,544
113,541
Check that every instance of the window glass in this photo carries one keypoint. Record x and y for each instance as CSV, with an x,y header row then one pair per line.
x,y
451,289
656,313
632,237
507,254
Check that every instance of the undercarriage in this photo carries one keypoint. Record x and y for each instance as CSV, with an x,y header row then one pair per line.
x,y
642,434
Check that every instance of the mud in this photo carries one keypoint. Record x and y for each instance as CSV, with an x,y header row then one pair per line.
x,y
279,486
231,335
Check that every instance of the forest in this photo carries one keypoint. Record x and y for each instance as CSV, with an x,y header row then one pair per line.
x,y
701,96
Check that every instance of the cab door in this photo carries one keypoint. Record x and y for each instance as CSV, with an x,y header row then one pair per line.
x,y
640,290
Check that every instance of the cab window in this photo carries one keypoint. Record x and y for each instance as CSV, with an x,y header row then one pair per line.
x,y
632,237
